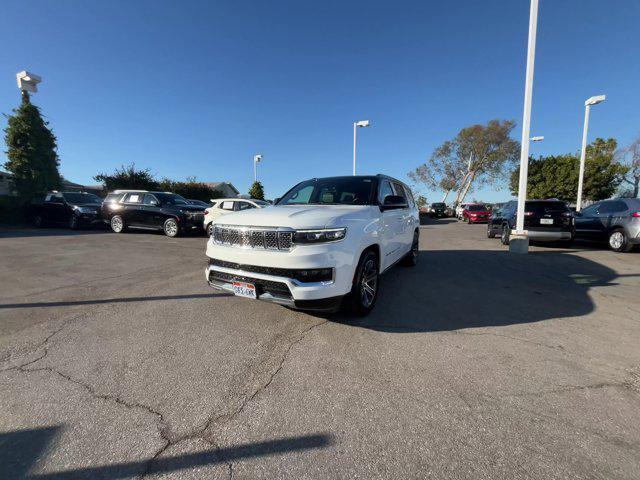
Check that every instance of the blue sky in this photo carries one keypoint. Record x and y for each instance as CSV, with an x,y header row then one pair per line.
x,y
196,88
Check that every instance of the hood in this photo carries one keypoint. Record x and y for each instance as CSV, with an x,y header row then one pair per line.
x,y
479,212
296,216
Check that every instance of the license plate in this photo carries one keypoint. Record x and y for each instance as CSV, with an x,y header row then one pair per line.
x,y
242,289
546,221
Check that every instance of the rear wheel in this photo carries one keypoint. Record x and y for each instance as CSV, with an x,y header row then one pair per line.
x,y
506,233
210,229
618,241
117,224
37,221
73,222
490,233
364,292
171,228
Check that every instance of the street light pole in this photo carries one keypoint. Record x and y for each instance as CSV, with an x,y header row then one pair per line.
x,y
361,123
520,241
583,153
526,119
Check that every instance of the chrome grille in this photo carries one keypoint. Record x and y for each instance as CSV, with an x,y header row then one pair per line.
x,y
248,237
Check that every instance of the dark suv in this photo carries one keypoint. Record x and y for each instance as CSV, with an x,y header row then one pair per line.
x,y
615,221
545,220
164,211
73,209
438,210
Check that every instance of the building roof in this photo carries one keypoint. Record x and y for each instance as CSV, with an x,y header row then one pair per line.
x,y
217,185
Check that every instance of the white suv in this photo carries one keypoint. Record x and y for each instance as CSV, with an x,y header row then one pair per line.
x,y
224,206
322,246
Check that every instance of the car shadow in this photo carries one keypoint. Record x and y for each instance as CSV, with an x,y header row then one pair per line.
x,y
6,232
463,289
426,220
20,450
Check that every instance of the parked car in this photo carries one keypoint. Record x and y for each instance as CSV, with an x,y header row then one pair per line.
x,y
145,210
224,206
199,203
438,210
615,221
545,220
459,209
73,209
322,246
476,213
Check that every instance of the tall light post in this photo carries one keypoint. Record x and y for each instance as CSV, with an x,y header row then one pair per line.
x,y
361,123
520,241
256,160
587,107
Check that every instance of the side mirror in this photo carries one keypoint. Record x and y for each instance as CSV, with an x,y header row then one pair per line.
x,y
392,202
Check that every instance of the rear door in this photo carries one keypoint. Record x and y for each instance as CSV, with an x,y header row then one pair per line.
x,y
150,213
55,209
588,223
132,209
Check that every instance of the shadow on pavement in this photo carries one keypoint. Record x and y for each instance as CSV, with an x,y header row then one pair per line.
x,y
100,301
460,289
426,220
20,450
49,232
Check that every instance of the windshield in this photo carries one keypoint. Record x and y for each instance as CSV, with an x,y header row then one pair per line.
x,y
477,208
171,199
331,191
439,205
81,198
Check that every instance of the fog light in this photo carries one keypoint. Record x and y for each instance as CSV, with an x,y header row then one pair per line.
x,y
314,275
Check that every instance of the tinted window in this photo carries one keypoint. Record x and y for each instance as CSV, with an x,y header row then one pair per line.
x,y
546,208
150,199
476,208
81,198
244,205
399,191
112,197
612,207
412,202
439,205
591,209
330,191
384,191
170,199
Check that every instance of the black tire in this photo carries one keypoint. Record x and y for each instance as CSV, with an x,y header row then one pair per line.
x,y
490,233
411,258
505,235
117,224
360,301
171,228
209,229
618,241
74,223
38,221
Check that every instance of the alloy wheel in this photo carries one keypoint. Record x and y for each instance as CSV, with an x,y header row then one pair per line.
x,y
616,240
171,228
369,283
116,224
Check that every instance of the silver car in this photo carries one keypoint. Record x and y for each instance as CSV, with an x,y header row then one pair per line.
x,y
616,221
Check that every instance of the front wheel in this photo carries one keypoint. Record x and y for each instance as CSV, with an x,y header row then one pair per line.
x,y
117,224
619,242
506,233
490,233
73,222
364,292
37,221
210,229
171,228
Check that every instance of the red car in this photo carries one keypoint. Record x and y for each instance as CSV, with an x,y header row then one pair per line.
x,y
476,213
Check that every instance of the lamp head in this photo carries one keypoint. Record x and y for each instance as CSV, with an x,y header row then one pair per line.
x,y
537,139
257,158
363,123
595,100
27,82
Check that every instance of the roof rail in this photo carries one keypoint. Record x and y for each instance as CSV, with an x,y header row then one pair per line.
x,y
130,190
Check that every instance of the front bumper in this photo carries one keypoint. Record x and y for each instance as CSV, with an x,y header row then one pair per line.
x,y
260,266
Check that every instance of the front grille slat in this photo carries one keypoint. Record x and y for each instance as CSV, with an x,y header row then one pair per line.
x,y
263,238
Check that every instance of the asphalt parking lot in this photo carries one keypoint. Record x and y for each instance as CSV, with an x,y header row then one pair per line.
x,y
118,361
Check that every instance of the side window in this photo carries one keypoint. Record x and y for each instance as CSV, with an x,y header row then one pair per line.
x,y
591,209
133,198
244,205
409,196
399,191
150,199
56,199
384,190
228,205
614,207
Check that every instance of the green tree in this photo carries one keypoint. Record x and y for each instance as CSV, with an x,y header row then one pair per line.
x,y
257,191
421,201
191,189
32,152
557,176
128,178
630,158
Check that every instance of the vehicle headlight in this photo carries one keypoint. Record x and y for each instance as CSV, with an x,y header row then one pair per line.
x,y
319,235
84,210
